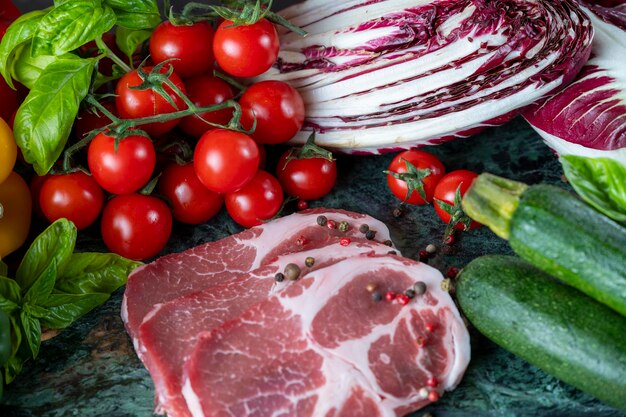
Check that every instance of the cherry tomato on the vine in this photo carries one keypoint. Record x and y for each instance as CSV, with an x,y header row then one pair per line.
x,y
8,150
246,50
36,183
75,196
136,226
225,160
88,120
125,169
16,206
207,90
410,175
189,47
191,202
446,192
258,200
278,108
132,104
307,178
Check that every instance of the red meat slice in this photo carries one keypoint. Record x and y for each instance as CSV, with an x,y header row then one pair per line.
x,y
323,347
169,333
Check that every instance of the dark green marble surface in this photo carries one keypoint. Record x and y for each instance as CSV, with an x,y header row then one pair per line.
x,y
92,370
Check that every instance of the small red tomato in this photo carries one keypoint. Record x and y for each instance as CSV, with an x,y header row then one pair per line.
x,y
308,178
203,91
132,104
278,108
225,160
258,200
89,120
125,169
76,197
36,183
246,50
192,202
189,47
136,226
407,175
448,193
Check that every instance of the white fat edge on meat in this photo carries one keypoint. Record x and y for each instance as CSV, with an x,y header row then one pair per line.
x,y
191,398
307,306
563,147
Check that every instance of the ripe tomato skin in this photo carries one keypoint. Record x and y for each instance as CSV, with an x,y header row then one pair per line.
x,y
246,50
446,190
8,150
420,160
123,171
75,196
258,200
309,178
136,226
207,90
279,111
132,104
189,47
17,208
225,161
191,202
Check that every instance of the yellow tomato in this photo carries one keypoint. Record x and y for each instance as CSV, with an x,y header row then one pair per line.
x,y
15,213
8,150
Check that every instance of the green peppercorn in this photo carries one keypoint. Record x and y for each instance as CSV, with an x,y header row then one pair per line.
x,y
309,261
292,272
322,220
344,226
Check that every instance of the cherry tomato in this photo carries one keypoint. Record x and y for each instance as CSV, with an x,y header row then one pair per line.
x,y
278,108
308,178
36,183
207,90
124,170
246,50
258,200
446,191
76,197
136,226
225,160
89,120
16,209
411,178
8,150
188,46
191,202
9,102
132,104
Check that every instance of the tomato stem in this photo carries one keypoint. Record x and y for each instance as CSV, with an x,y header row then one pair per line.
x,y
103,46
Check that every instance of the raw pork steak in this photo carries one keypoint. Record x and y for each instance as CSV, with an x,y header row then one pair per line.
x,y
169,332
219,262
322,347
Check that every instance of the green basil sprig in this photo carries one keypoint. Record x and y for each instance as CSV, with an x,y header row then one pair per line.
x,y
601,182
136,14
128,40
54,287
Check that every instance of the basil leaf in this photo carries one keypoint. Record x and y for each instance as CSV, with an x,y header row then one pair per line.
x,y
43,285
20,31
128,40
27,69
32,332
18,355
136,14
71,25
95,273
51,250
64,309
10,294
601,182
5,338
4,269
45,118
35,311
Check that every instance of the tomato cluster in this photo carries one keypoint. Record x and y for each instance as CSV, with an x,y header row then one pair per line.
x,y
418,177
220,160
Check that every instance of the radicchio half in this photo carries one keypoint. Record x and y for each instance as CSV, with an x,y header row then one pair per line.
x,y
588,118
381,75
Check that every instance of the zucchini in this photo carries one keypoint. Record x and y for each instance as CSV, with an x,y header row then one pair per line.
x,y
547,323
556,232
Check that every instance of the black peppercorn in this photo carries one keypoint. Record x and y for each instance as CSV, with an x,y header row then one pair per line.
x,y
279,277
377,296
322,220
370,235
410,293
364,228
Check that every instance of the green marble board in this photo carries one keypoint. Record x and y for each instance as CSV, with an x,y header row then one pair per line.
x,y
91,369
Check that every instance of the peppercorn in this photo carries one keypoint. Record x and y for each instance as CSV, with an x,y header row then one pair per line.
x,y
402,299
430,327
431,248
421,342
410,293
371,287
309,261
450,239
377,296
419,287
344,226
279,277
301,241
447,285
322,220
370,235
433,396
423,393
364,228
390,296
398,212
303,205
331,224
292,272
452,272
392,252
345,241
427,414
388,243
432,382
423,256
